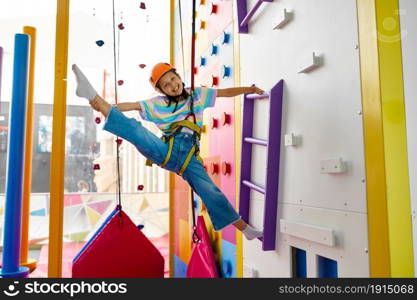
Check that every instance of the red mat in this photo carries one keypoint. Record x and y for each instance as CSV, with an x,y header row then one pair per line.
x,y
70,250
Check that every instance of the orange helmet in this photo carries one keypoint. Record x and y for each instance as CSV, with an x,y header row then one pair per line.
x,y
158,71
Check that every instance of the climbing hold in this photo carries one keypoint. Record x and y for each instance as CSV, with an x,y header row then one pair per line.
x,y
213,8
121,27
120,82
215,81
202,24
96,167
98,120
100,43
140,187
226,37
202,2
214,123
195,70
227,71
226,168
203,61
213,168
225,119
141,226
214,49
142,5
227,268
142,66
119,141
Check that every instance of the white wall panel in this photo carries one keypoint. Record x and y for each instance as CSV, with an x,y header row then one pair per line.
x,y
322,107
350,250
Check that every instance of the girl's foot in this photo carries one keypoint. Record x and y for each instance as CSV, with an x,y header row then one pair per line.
x,y
251,233
84,88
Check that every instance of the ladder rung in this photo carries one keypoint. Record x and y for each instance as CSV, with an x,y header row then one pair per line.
x,y
257,96
252,12
254,186
256,141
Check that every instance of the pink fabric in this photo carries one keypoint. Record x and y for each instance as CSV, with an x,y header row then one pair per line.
x,y
202,263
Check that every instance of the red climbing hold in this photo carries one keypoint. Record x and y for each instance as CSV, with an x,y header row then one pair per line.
x,y
98,120
213,8
142,66
121,27
215,81
96,167
140,187
142,5
119,141
120,82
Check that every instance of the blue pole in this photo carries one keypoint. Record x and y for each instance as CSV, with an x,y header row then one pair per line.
x,y
15,161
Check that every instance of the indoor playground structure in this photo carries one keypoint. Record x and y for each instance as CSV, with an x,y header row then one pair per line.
x,y
324,161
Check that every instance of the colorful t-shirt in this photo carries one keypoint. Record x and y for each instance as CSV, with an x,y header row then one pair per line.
x,y
156,110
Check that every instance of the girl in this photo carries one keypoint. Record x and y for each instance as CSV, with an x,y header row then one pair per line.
x,y
178,150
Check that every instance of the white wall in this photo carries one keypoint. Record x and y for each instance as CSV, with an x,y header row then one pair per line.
x,y
408,12
323,109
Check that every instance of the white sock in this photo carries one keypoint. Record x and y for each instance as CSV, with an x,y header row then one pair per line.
x,y
252,233
84,88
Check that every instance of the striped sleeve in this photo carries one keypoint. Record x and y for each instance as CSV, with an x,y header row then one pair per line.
x,y
145,109
208,96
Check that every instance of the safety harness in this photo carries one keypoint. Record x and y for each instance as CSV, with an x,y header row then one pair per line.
x,y
169,136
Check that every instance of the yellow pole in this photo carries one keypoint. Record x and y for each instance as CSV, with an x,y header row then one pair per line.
x,y
58,141
170,175
24,249
395,138
238,147
387,180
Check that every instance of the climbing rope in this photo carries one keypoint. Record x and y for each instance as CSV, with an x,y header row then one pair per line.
x,y
115,65
195,236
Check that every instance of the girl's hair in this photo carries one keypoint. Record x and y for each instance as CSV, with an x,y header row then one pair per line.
x,y
175,99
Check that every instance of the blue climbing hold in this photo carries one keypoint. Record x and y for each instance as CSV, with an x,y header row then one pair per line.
x,y
99,43
226,37
214,49
141,226
202,61
227,71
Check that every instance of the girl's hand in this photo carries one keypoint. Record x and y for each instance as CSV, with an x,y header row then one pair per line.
x,y
257,90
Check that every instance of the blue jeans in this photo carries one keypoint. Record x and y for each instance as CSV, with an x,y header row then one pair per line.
x,y
221,212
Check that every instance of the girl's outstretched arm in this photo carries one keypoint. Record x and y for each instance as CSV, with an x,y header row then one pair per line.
x,y
236,91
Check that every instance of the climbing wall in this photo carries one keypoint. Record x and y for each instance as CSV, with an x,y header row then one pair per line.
x,y
322,208
214,69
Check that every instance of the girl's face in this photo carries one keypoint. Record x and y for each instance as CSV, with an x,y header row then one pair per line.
x,y
170,84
